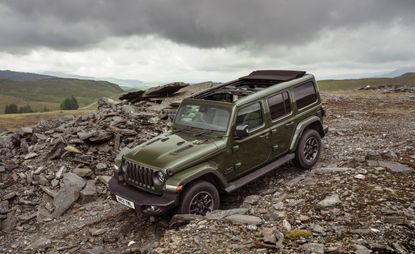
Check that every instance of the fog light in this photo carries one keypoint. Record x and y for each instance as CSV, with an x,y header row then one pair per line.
x,y
151,209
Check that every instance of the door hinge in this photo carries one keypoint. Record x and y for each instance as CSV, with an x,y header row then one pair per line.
x,y
235,148
238,165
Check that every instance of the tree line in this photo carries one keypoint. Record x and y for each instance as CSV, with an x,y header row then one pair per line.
x,y
68,104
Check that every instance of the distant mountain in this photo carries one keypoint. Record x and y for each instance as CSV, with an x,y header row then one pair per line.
x,y
397,72
52,91
127,83
22,76
408,74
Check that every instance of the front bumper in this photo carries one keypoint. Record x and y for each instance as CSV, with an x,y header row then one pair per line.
x,y
142,199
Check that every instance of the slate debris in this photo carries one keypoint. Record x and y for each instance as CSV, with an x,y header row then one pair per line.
x,y
375,210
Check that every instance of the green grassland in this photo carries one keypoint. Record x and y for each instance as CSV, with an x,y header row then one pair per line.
x,y
50,93
15,121
347,84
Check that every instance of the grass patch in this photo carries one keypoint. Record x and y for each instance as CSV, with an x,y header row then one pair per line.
x,y
348,84
15,121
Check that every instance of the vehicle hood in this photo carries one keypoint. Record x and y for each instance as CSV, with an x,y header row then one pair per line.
x,y
175,151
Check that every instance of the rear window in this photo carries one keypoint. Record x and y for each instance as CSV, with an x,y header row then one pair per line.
x,y
305,94
279,105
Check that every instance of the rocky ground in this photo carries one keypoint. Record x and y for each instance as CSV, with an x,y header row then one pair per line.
x,y
360,198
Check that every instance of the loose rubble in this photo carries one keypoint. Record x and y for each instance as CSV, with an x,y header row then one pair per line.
x,y
358,199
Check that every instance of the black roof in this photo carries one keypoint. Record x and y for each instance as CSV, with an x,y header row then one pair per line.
x,y
279,75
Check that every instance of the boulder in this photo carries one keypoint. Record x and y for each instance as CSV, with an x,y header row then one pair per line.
x,y
68,194
330,200
244,219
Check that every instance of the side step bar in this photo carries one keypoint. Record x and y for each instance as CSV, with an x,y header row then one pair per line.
x,y
258,173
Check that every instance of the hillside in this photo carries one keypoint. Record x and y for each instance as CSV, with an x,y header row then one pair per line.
x,y
346,84
52,91
21,76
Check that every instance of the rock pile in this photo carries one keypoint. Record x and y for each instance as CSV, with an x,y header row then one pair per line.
x,y
358,199
390,89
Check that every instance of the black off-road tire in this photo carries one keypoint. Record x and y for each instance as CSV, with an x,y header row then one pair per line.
x,y
196,197
308,149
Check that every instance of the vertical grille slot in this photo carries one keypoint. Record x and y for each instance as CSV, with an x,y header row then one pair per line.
x,y
139,175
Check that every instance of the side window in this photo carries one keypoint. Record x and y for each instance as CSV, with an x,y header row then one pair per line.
x,y
279,105
305,94
251,116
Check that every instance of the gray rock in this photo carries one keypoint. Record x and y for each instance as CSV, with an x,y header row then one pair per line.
x,y
9,195
101,166
317,229
220,214
317,248
104,179
286,225
278,206
30,155
9,223
68,194
268,235
4,207
359,176
25,131
60,172
329,170
252,199
360,249
39,170
154,120
40,243
2,169
95,250
89,192
244,219
83,172
182,219
330,200
395,167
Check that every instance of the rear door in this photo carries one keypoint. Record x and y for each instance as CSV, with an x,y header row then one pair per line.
x,y
254,150
282,122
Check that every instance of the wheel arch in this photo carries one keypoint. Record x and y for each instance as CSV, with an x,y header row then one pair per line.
x,y
204,172
313,122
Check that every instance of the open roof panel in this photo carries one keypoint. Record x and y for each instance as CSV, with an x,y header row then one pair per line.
x,y
247,85
277,75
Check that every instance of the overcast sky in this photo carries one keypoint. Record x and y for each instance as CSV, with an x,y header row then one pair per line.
x,y
191,40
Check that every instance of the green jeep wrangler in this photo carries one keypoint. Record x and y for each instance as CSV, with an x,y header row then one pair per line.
x,y
222,139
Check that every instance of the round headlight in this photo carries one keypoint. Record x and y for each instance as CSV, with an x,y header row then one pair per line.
x,y
159,178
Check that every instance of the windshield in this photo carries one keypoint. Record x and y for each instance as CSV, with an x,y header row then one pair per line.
x,y
203,116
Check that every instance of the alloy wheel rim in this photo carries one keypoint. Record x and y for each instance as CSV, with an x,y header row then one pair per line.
x,y
201,203
311,149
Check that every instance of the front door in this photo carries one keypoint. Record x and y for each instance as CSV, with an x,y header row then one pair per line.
x,y
254,150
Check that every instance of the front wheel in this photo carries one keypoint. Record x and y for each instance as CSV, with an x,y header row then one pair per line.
x,y
308,149
199,198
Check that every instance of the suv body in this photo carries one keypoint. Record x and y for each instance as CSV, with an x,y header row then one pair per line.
x,y
222,139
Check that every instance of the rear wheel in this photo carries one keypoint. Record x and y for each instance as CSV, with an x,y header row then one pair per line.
x,y
199,198
308,149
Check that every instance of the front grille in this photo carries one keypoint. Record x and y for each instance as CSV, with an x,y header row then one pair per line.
x,y
139,175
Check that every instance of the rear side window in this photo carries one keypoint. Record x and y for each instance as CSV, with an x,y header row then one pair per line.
x,y
279,105
251,116
305,94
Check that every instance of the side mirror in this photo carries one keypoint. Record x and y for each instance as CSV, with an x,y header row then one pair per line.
x,y
242,131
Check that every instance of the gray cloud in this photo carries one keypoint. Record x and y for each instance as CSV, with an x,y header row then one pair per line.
x,y
77,24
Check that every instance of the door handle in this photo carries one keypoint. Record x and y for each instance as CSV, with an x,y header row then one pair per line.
x,y
290,123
